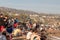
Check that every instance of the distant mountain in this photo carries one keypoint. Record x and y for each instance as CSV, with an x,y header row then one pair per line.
x,y
10,10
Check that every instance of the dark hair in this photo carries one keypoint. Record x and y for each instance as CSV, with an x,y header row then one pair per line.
x,y
4,33
35,31
1,14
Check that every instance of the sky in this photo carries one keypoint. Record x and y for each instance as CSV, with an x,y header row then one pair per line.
x,y
40,6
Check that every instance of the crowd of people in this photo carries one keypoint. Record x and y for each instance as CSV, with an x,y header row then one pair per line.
x,y
10,27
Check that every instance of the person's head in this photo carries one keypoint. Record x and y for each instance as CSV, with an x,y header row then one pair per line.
x,y
35,31
4,33
12,19
31,30
6,17
1,15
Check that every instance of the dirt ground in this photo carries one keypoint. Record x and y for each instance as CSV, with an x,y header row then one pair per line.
x,y
52,32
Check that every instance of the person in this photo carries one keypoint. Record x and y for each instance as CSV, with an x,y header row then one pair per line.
x,y
16,31
9,30
2,37
43,34
35,35
28,37
12,21
16,20
5,21
34,26
15,25
1,22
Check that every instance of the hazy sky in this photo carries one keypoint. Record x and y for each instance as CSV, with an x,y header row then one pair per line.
x,y
49,6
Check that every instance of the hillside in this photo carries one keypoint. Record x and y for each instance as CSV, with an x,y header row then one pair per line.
x,y
10,10
52,19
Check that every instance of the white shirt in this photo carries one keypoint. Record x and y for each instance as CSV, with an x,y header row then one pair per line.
x,y
29,35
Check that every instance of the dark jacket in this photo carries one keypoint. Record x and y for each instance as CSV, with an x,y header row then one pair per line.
x,y
1,21
9,29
